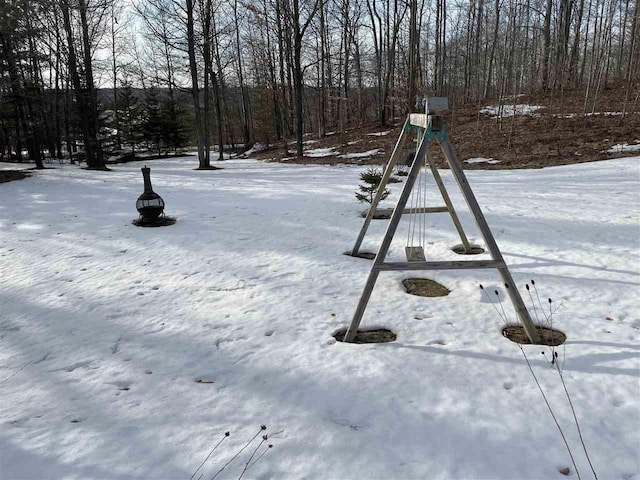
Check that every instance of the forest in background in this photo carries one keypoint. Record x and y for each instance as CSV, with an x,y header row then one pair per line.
x,y
94,77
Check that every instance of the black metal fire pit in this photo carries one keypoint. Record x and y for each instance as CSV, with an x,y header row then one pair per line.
x,y
150,205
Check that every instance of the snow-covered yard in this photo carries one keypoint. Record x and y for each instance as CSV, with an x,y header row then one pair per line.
x,y
128,352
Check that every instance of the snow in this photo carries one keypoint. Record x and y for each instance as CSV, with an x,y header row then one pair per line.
x,y
256,148
592,114
306,142
379,134
482,160
368,153
511,110
213,153
245,291
320,152
624,147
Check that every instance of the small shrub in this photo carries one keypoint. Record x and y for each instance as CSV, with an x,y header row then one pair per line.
x,y
370,182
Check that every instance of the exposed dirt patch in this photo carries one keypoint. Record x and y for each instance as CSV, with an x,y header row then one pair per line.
x,y
423,287
380,335
559,134
473,249
12,175
379,214
366,255
548,336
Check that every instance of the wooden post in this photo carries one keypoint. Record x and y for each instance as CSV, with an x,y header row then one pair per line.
x,y
448,203
388,237
383,184
472,203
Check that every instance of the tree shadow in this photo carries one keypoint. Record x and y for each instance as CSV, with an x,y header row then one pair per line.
x,y
587,363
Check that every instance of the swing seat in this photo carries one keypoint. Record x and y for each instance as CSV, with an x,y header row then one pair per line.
x,y
415,254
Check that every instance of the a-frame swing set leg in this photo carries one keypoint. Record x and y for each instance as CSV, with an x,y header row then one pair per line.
x,y
388,237
393,161
435,130
383,184
449,204
490,242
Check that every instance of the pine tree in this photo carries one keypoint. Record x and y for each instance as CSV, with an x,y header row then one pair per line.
x,y
173,132
130,117
371,181
152,126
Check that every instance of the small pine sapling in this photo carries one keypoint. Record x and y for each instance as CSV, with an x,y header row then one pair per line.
x,y
371,181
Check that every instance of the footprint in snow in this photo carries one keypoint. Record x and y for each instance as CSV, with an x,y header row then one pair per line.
x,y
122,385
616,402
77,365
44,358
507,385
439,341
268,333
204,380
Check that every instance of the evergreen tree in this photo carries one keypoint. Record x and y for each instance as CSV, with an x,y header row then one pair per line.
x,y
371,181
131,120
174,131
152,126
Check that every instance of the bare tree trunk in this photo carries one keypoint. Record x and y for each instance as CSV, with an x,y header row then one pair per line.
x,y
573,62
493,50
280,18
243,91
635,32
206,53
298,34
97,159
114,71
547,43
82,101
413,54
322,101
195,92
